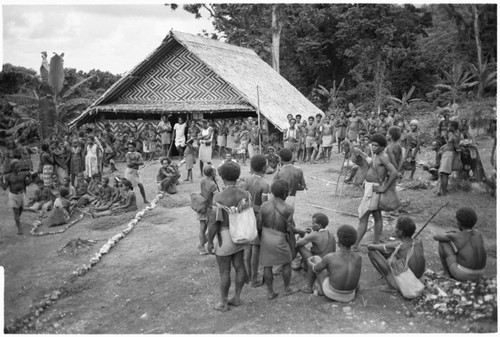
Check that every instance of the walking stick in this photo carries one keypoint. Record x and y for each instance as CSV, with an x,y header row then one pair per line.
x,y
341,171
440,208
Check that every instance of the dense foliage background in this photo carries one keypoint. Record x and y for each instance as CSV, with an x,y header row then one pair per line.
x,y
418,59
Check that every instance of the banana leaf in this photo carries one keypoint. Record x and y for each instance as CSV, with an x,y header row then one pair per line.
x,y
56,74
76,86
47,116
22,99
20,126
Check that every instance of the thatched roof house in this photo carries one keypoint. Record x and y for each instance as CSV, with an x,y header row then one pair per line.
x,y
189,74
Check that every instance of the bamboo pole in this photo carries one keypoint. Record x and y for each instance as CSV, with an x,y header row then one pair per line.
x,y
258,119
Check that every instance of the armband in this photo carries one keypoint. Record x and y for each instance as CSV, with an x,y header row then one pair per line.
x,y
313,268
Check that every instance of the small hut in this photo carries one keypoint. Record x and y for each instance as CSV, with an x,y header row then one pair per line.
x,y
198,78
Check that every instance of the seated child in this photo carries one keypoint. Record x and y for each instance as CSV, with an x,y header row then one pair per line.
x,y
462,252
72,191
128,204
92,192
56,183
167,176
338,273
43,198
396,253
62,208
272,160
322,243
105,194
81,186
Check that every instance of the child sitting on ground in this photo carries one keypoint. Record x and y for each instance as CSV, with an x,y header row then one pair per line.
x,y
272,160
81,186
128,204
72,191
394,255
92,190
62,208
105,194
462,252
43,198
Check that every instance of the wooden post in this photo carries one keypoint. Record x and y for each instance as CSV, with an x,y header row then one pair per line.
x,y
258,119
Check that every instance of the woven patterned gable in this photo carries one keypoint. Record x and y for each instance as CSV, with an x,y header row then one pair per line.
x,y
180,77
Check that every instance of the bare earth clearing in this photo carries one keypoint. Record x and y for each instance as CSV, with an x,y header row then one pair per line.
x,y
154,281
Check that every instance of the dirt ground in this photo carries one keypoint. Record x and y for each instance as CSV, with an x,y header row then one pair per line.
x,y
153,281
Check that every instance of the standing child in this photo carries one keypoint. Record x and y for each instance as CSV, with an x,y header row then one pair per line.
x,y
413,143
189,159
208,187
134,160
17,182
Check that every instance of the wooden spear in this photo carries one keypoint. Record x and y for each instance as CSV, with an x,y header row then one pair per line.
x,y
432,217
258,118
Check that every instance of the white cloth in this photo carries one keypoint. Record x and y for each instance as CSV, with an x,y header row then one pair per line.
x,y
205,153
180,137
91,166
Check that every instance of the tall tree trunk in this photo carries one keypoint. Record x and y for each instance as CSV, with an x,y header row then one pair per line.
x,y
379,79
479,50
276,26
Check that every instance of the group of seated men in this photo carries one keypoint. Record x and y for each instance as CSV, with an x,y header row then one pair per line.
x,y
332,272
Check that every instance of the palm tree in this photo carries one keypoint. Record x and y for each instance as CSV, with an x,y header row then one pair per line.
x,y
457,80
405,101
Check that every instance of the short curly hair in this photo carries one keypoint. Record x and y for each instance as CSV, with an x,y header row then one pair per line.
x,y
208,170
285,155
258,163
280,189
321,219
229,171
395,133
347,235
379,139
407,226
467,217
63,192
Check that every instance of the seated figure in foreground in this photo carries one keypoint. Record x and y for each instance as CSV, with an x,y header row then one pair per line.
x,y
462,252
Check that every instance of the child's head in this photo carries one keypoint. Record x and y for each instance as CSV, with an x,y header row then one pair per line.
x,y
319,221
208,171
406,226
394,132
229,156
280,189
165,161
286,155
63,192
65,181
270,150
258,163
96,177
414,125
347,236
80,176
105,181
229,171
55,178
127,185
466,217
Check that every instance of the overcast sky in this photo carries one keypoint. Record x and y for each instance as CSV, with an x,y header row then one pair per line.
x,y
113,37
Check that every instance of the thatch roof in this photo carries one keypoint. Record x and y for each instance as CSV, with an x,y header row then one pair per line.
x,y
189,73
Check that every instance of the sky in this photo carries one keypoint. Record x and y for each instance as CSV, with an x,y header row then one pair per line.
x,y
113,37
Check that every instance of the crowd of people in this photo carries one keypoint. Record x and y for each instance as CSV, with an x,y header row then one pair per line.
x,y
71,176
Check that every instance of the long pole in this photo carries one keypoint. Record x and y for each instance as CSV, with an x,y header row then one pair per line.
x,y
258,119
432,217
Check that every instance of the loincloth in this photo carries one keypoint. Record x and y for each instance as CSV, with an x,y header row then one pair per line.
x,y
133,176
446,162
16,200
370,200
274,249
327,141
337,295
462,273
227,247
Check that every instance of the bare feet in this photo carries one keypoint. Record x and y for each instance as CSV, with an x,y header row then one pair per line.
x,y
19,231
256,283
272,296
306,289
290,290
235,302
186,180
146,202
221,307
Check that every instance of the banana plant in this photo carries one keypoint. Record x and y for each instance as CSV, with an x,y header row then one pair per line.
x,y
53,99
483,76
405,101
331,95
457,80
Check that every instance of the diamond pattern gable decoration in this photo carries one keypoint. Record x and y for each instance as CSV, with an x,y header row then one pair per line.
x,y
179,77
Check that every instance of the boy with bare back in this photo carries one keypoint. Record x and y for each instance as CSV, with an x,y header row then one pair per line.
x,y
338,273
380,177
207,189
259,190
227,252
277,233
17,182
394,150
292,174
462,252
134,160
322,243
